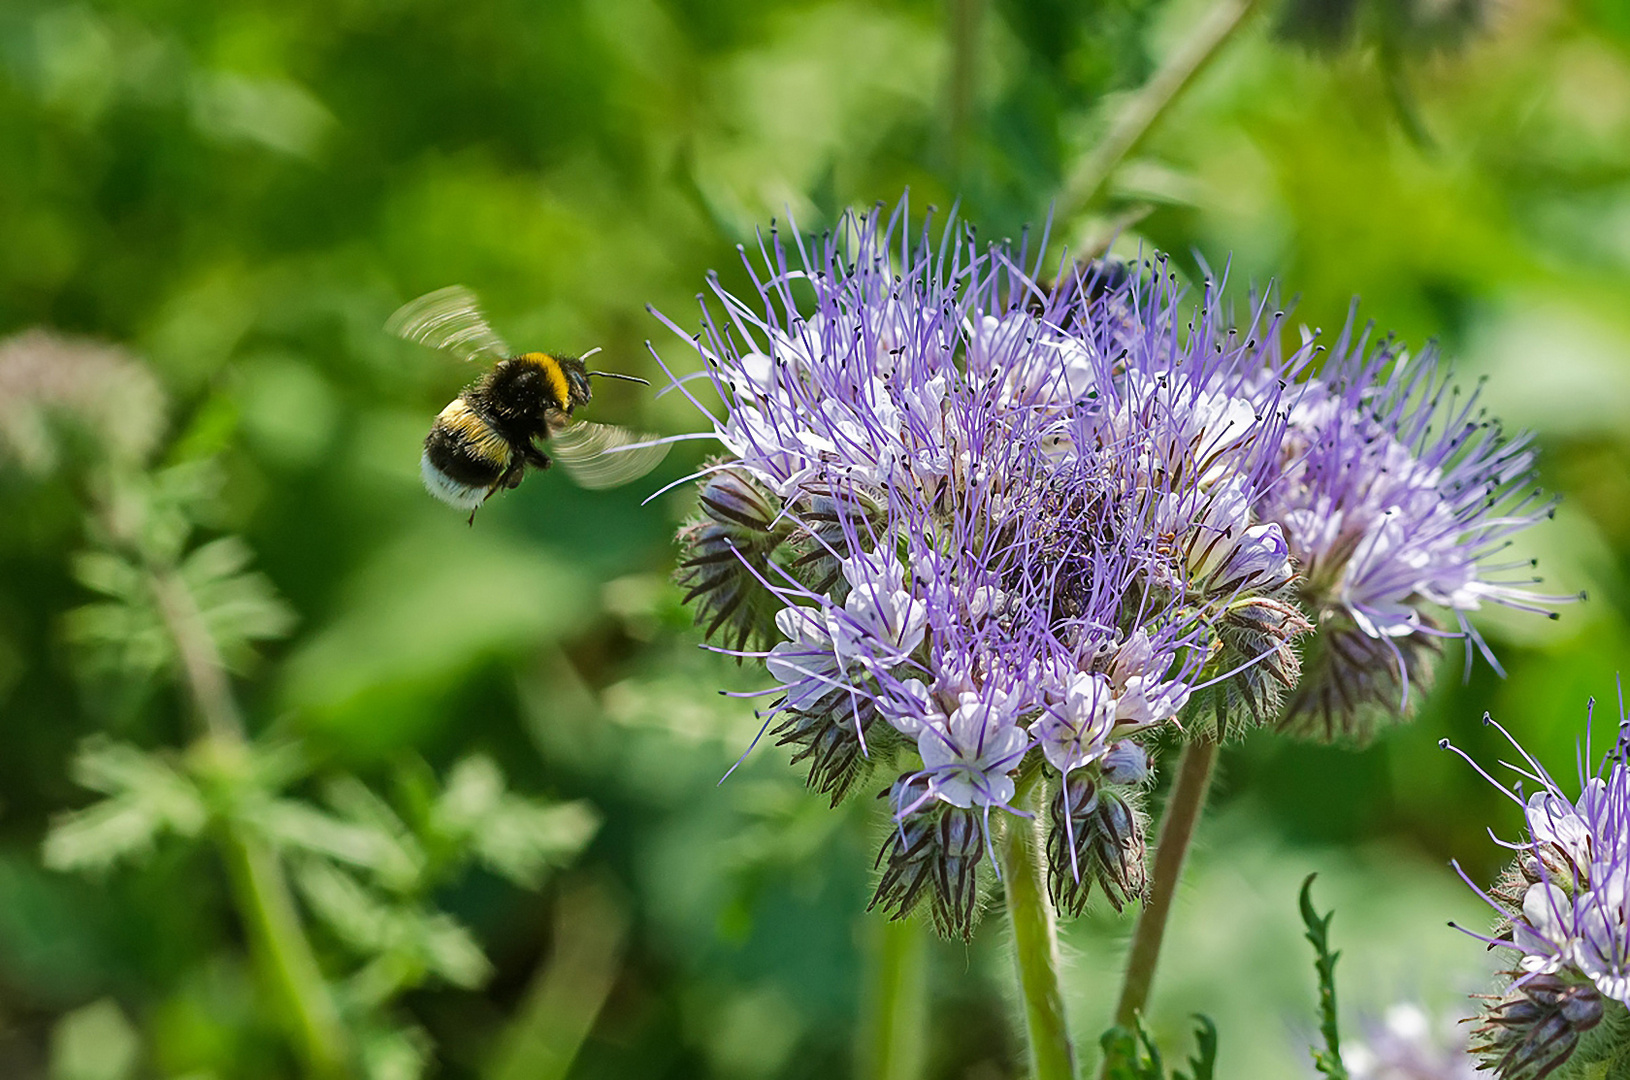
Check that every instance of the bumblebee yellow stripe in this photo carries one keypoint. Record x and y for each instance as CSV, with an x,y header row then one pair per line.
x,y
474,432
554,373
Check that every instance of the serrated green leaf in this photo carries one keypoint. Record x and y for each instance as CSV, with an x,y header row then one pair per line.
x,y
401,861
146,799
1328,1060
451,951
1131,1054
108,574
114,638
516,837
474,787
522,840
297,825
216,560
356,917
238,607
395,1054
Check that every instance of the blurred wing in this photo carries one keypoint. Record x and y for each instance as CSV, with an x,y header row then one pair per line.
x,y
593,454
449,319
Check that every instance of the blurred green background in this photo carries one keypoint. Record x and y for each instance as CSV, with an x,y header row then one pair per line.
x,y
241,193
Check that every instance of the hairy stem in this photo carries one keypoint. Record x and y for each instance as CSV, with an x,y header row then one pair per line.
x,y
259,889
1086,181
1177,824
897,1009
1035,948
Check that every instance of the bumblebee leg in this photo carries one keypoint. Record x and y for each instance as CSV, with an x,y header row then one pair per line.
x,y
535,457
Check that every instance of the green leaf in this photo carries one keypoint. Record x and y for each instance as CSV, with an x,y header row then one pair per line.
x,y
395,1053
96,1042
1131,1054
400,859
1204,1065
147,798
404,942
360,920
297,825
239,608
1327,1061
516,837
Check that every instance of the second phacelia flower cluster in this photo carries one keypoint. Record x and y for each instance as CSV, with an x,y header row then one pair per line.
x,y
1564,906
990,529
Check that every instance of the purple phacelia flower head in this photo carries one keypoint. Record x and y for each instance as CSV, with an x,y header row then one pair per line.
x,y
1565,917
989,534
1398,498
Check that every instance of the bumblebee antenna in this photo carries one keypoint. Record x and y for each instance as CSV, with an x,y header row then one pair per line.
x,y
620,375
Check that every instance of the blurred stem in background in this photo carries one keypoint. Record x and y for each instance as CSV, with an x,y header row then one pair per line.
x,y
1086,182
567,994
965,16
260,888
894,1036
1177,823
1035,941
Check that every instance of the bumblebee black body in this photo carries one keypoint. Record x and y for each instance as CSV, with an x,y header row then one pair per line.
x,y
485,438
483,441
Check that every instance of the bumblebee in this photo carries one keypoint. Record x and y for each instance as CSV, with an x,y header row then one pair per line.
x,y
485,438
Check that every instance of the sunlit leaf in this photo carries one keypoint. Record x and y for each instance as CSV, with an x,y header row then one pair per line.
x,y
397,1053
294,824
516,837
239,607
146,798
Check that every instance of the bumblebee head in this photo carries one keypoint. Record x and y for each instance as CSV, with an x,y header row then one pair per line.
x,y
575,382
579,376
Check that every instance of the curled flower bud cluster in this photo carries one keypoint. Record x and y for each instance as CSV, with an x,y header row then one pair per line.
x,y
1565,916
988,536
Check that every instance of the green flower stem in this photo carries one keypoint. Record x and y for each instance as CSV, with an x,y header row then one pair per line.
x,y
262,896
897,1011
1182,813
1086,181
259,889
1035,948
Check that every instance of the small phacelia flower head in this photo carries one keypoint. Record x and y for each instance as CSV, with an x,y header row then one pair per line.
x,y
1566,919
1406,1043
1398,498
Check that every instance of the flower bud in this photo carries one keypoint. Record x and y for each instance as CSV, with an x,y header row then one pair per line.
x,y
1096,835
1126,764
932,850
1352,682
839,738
1536,1027
738,533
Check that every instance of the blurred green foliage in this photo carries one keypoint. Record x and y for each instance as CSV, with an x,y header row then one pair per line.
x,y
241,194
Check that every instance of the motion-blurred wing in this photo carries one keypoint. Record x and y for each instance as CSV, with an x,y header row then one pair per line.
x,y
449,319
595,456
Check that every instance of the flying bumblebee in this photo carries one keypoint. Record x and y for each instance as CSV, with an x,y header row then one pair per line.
x,y
483,441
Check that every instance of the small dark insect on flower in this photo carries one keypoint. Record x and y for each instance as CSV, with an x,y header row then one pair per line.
x,y
486,438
